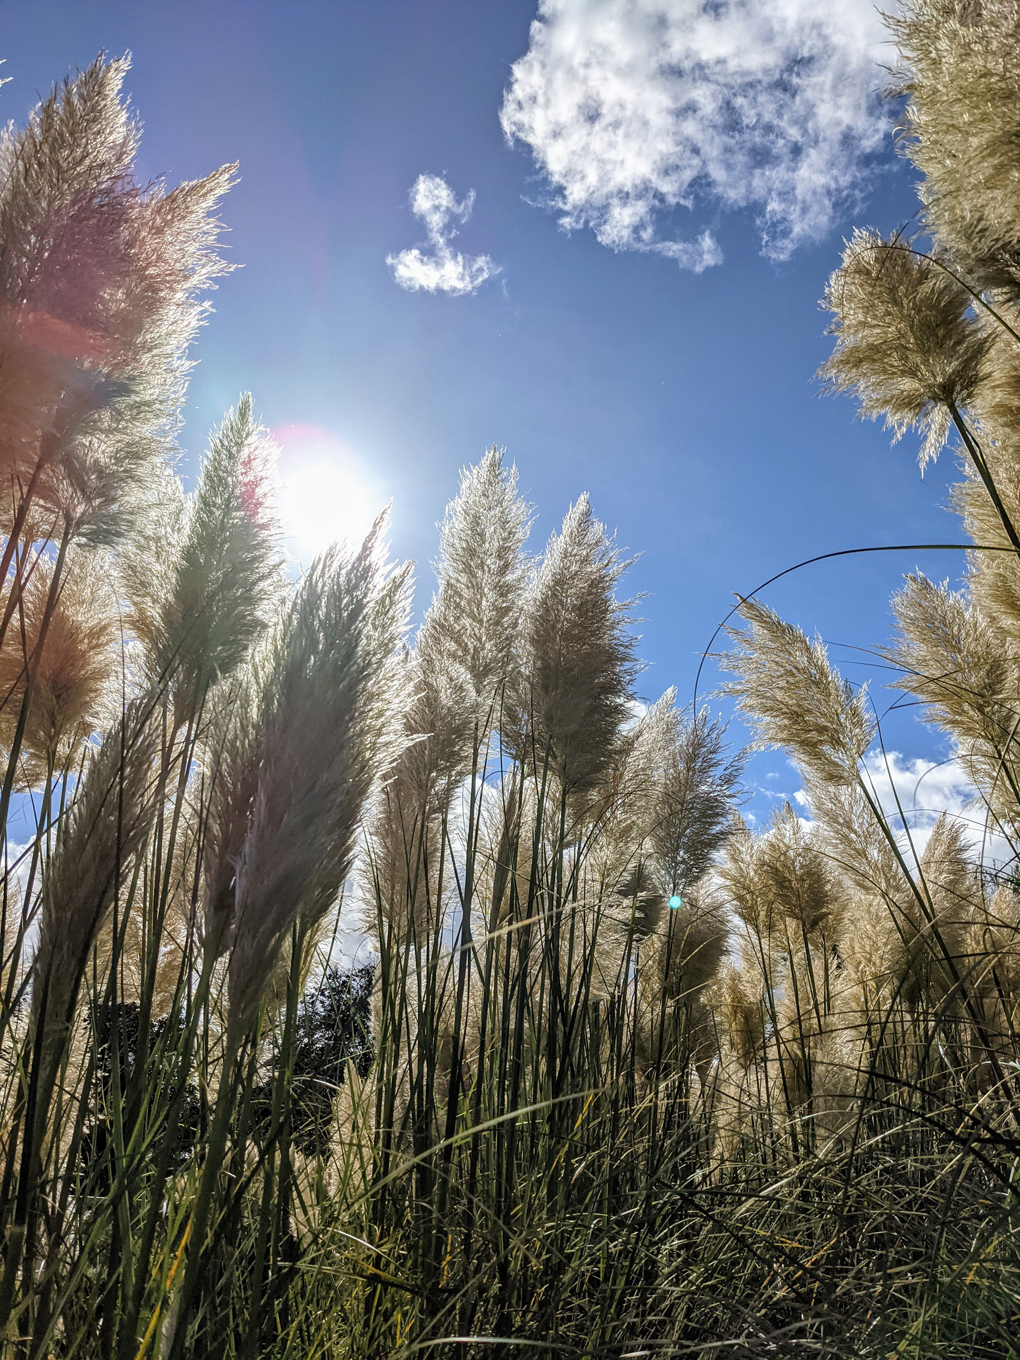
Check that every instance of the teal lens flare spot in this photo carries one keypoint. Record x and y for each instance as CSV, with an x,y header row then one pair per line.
x,y
675,902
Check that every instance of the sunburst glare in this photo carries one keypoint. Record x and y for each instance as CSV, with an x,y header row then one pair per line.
x,y
326,492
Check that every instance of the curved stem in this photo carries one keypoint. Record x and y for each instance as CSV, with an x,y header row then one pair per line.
x,y
978,459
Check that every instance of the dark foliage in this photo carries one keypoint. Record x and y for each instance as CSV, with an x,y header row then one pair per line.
x,y
333,1028
116,1050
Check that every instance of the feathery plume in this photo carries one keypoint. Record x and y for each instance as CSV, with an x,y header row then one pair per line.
x,y
332,722
475,616
660,812
853,841
793,697
993,578
99,284
965,672
902,942
959,129
906,342
739,1012
621,815
952,884
690,943
739,1007
233,741
460,662
402,872
743,883
695,799
202,575
993,962
579,660
103,830
675,1027
796,876
68,673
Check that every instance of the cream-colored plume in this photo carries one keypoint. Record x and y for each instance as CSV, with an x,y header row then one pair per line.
x,y
907,342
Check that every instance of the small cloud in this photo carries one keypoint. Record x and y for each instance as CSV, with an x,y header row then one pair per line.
x,y
458,275
439,269
697,256
435,203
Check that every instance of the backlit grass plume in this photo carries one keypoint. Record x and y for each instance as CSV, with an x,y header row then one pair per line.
x,y
59,665
203,577
332,725
623,811
232,747
694,800
962,79
965,671
792,696
94,853
481,576
409,821
99,298
578,659
907,343
457,672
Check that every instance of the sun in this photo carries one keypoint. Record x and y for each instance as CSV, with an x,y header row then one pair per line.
x,y
326,492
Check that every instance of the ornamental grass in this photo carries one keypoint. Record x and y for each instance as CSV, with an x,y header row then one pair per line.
x,y
624,1073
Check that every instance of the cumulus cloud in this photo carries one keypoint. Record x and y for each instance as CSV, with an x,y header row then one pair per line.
x,y
439,269
635,107
923,790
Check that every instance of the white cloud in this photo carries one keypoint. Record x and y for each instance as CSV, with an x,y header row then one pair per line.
x,y
635,107
924,789
439,269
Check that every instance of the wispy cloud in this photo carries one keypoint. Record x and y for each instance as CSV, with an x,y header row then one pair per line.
x,y
635,107
439,269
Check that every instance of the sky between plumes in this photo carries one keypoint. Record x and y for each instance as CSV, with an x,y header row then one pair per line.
x,y
594,232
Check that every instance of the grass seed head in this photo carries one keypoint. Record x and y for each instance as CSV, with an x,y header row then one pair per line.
x,y
100,284
73,669
481,570
796,874
203,572
906,342
793,697
579,665
959,127
103,830
332,726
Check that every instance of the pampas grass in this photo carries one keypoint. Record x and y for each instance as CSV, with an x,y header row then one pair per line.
x,y
906,341
630,1075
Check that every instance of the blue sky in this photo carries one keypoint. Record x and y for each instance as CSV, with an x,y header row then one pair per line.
x,y
684,402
